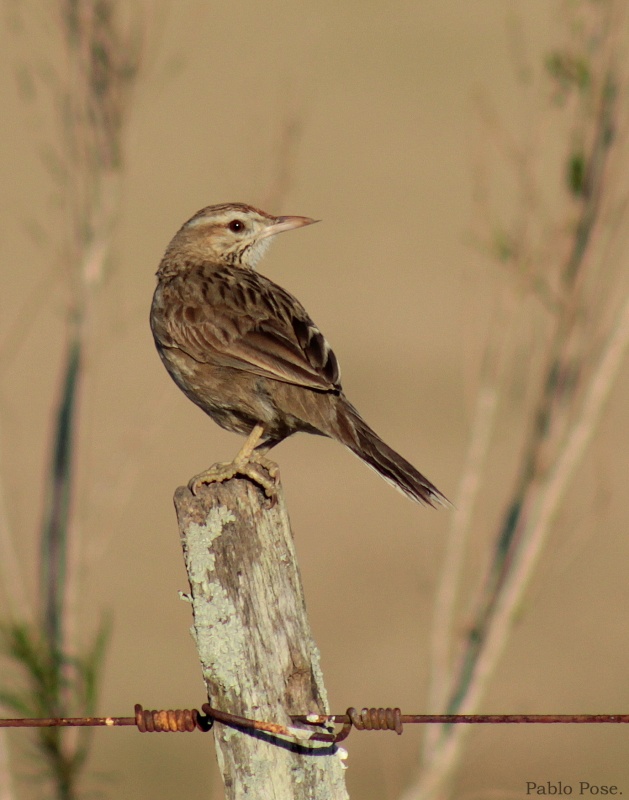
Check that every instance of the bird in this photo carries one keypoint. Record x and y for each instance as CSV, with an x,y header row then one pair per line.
x,y
247,353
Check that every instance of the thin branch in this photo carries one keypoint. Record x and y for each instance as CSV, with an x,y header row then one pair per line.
x,y
576,379
487,400
58,501
91,94
542,514
552,415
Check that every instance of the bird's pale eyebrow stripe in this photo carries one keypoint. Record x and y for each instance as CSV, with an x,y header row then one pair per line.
x,y
202,220
228,210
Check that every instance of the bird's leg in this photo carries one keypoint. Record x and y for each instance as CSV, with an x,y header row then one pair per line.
x,y
259,456
248,463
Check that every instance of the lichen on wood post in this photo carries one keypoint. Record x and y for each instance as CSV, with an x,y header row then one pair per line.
x,y
255,645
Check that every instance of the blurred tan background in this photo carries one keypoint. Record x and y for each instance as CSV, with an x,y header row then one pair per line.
x,y
378,103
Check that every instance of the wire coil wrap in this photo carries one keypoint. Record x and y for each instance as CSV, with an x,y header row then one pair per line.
x,y
180,720
376,719
190,719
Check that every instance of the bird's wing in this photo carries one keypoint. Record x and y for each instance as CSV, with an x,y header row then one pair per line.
x,y
240,319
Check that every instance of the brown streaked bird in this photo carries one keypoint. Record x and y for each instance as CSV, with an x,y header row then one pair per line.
x,y
246,352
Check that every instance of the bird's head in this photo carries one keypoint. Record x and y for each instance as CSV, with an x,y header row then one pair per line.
x,y
231,234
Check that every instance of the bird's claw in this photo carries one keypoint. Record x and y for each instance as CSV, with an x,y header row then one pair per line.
x,y
262,471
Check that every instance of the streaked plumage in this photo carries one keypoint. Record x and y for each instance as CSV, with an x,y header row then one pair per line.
x,y
246,352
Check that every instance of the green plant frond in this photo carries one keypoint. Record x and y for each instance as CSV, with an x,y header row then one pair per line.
x,y
504,247
55,684
568,70
576,174
17,703
40,667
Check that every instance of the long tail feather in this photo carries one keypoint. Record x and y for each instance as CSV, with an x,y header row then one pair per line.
x,y
355,434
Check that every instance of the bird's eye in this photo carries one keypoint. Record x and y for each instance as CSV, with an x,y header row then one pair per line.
x,y
236,225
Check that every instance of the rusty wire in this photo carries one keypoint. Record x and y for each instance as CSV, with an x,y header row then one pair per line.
x,y
368,719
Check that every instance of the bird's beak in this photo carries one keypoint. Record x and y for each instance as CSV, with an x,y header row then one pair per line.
x,y
286,224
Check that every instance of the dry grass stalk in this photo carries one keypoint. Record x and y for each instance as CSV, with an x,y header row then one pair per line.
x,y
93,87
588,338
101,62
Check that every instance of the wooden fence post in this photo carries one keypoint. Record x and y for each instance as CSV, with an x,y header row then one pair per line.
x,y
255,645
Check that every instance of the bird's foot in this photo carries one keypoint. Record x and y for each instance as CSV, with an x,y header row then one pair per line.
x,y
257,468
269,466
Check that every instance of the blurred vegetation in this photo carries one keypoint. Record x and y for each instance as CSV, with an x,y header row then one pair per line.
x,y
556,250
56,675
